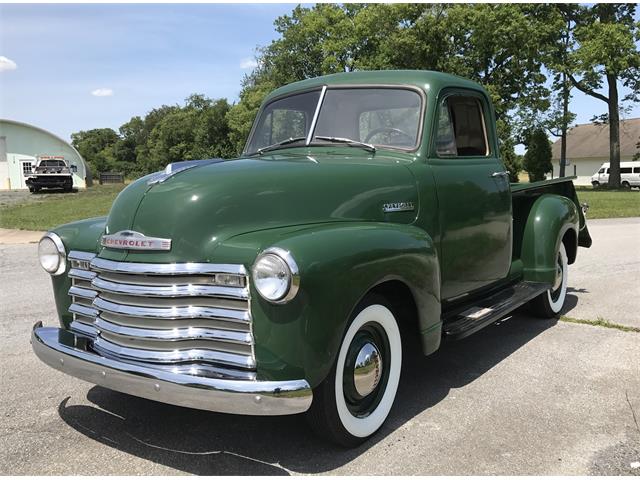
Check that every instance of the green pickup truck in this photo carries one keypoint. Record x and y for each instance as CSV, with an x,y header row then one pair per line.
x,y
368,210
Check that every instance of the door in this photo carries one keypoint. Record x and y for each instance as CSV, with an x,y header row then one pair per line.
x,y
474,195
25,169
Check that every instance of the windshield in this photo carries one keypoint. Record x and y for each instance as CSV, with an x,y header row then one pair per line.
x,y
289,117
380,116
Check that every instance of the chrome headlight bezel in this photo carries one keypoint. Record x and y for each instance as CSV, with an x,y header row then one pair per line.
x,y
61,266
291,270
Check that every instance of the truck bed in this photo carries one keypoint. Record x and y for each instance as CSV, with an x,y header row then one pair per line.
x,y
524,194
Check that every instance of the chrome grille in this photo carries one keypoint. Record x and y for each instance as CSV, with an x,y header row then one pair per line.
x,y
189,316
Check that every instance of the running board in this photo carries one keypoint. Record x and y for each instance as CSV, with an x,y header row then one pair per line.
x,y
463,322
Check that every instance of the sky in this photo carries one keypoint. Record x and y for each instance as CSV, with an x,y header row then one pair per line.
x,y
71,67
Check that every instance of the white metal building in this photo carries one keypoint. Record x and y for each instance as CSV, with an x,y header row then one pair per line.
x,y
22,144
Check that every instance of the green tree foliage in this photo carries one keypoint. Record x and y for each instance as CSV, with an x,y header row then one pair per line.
x,y
96,147
167,134
537,159
511,160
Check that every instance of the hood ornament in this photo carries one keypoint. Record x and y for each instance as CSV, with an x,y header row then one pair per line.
x,y
130,240
175,167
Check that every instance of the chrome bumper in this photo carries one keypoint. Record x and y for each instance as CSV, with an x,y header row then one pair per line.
x,y
68,353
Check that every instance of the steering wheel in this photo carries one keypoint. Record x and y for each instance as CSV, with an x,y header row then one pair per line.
x,y
397,131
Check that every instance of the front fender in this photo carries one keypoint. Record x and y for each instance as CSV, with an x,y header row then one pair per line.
x,y
83,235
339,263
550,218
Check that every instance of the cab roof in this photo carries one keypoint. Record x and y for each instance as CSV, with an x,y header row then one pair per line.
x,y
426,80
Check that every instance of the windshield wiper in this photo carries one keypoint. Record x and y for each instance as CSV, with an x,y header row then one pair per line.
x,y
348,141
275,146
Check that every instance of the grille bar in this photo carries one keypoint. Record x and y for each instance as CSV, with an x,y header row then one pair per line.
x,y
78,274
100,264
84,329
175,356
186,315
175,334
82,292
171,313
78,309
172,291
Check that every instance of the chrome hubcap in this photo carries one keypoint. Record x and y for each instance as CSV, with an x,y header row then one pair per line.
x,y
367,369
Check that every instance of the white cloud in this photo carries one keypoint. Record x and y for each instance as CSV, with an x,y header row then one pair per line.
x,y
248,63
102,92
7,64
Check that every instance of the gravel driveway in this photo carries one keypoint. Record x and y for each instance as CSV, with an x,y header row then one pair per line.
x,y
523,396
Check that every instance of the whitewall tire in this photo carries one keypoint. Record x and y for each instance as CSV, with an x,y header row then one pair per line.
x,y
550,303
356,398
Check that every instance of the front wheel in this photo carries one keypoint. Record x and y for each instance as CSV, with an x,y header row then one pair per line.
x,y
353,402
550,303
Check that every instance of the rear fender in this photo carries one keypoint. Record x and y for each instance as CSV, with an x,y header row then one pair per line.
x,y
551,218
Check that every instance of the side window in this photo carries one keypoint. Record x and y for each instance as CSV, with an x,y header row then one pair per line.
x,y
636,169
625,170
607,170
461,127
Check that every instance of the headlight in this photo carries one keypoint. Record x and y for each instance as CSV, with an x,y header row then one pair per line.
x,y
51,253
275,275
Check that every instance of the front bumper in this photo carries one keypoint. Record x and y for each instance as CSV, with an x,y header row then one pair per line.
x,y
49,181
70,354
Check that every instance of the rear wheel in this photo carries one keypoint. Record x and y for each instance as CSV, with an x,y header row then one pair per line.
x,y
550,303
353,402
626,185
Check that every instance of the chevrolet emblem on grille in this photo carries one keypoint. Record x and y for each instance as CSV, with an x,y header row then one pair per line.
x,y
130,240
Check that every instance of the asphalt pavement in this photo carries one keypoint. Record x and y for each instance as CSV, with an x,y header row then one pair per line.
x,y
524,396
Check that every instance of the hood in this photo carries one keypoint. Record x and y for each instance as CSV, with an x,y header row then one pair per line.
x,y
203,206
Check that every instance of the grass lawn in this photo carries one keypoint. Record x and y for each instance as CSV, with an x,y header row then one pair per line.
x,y
46,210
610,203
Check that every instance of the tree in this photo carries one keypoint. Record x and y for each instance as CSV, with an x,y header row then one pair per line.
x,y
606,54
537,159
95,147
558,120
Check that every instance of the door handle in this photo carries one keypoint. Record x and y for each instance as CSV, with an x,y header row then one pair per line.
x,y
499,174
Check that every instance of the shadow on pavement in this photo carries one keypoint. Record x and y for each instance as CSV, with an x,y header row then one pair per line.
x,y
206,443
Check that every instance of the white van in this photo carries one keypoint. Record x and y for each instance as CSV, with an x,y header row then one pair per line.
x,y
629,175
